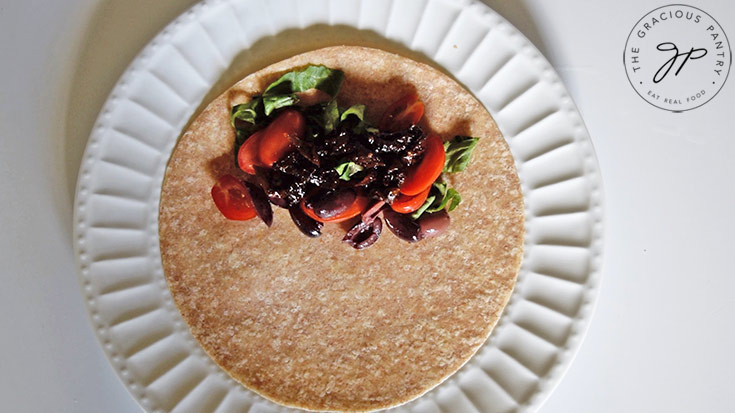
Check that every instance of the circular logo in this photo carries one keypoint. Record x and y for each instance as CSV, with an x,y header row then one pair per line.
x,y
677,57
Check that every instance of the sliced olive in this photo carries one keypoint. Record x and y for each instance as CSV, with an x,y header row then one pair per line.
x,y
305,224
260,202
434,224
363,235
402,225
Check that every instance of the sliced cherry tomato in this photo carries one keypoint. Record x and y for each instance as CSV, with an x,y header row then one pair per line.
x,y
247,156
405,204
421,176
357,207
276,141
403,113
232,199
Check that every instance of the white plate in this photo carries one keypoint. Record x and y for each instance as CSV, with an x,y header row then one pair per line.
x,y
116,211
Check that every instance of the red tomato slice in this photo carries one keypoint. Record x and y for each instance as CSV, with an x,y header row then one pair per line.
x,y
357,207
421,176
232,199
247,156
276,141
403,113
405,204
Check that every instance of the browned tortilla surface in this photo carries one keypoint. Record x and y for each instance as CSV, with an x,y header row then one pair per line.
x,y
313,323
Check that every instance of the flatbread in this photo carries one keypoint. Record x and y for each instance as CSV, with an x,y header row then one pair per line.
x,y
314,323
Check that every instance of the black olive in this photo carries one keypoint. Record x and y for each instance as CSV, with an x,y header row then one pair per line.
x,y
278,200
306,224
402,225
327,204
260,202
434,224
363,235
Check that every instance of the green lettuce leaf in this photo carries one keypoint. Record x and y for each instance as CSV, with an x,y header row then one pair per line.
x,y
251,112
354,110
440,197
448,197
312,77
357,111
429,200
273,102
331,116
458,150
246,119
347,169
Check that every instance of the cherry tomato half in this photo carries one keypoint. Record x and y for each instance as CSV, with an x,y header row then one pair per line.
x,y
247,156
232,199
357,207
405,204
277,137
403,113
421,176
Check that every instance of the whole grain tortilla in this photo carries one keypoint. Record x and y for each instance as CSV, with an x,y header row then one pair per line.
x,y
313,323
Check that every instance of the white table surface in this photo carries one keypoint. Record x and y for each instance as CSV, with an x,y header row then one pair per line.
x,y
663,335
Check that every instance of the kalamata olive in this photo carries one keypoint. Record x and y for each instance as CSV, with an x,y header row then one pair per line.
x,y
433,224
402,225
276,199
308,226
331,203
260,202
363,235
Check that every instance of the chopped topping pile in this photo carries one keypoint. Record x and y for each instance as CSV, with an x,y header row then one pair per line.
x,y
329,164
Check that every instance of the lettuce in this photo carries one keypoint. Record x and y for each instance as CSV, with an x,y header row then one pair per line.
x,y
312,77
458,152
440,197
347,169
